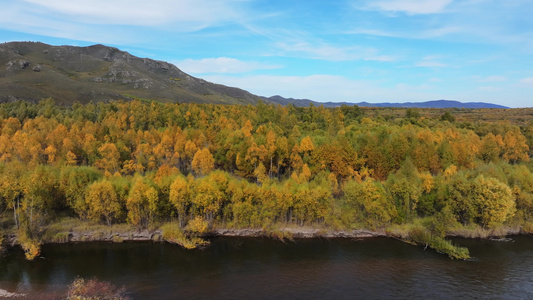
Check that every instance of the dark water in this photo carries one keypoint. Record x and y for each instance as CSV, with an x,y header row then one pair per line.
x,y
247,268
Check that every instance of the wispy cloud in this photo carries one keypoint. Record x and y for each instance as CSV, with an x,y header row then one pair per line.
x,y
411,7
324,51
489,89
527,81
118,21
491,79
221,65
138,12
323,87
432,61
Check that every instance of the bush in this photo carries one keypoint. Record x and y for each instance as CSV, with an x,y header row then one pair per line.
x,y
172,233
198,225
94,289
421,236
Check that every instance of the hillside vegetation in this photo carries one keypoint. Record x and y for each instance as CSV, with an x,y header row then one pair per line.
x,y
419,175
33,71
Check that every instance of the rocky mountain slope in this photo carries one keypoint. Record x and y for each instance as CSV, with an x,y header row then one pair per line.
x,y
33,71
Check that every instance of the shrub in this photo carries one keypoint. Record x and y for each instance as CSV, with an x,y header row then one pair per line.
x,y
82,289
172,233
421,236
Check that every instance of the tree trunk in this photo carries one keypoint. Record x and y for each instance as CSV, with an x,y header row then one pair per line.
x,y
15,215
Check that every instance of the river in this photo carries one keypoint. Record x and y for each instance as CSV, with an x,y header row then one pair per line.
x,y
261,268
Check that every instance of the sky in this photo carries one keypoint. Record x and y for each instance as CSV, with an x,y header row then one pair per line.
x,y
336,50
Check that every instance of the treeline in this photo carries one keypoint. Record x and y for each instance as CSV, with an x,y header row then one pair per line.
x,y
255,166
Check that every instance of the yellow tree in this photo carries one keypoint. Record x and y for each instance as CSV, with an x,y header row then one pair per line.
x,y
515,147
142,203
51,152
305,174
189,151
369,201
102,201
71,158
260,173
494,201
306,148
491,147
203,162
209,194
180,197
110,158
271,148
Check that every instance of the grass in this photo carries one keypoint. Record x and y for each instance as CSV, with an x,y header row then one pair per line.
x,y
172,233
59,231
280,235
421,236
415,233
476,231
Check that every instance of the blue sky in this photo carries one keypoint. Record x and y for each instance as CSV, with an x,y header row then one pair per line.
x,y
337,50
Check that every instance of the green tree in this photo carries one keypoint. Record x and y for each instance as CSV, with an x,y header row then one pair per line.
x,y
72,182
369,201
405,188
447,116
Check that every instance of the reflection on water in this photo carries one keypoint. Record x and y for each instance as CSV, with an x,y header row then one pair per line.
x,y
230,268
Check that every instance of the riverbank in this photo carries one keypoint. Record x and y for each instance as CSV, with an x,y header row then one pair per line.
x,y
135,235
70,230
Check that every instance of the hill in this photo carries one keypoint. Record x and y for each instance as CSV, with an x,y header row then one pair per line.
x,y
33,71
427,104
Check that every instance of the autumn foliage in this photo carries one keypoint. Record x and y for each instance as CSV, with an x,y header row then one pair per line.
x,y
255,166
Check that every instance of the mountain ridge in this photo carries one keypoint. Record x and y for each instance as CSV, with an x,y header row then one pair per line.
x,y
34,70
425,104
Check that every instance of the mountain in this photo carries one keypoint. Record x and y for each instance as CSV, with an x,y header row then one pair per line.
x,y
435,104
428,104
33,71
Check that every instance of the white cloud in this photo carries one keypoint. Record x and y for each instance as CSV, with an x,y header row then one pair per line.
x,y
384,58
430,63
137,12
411,7
327,88
489,89
438,32
221,65
527,81
323,51
131,19
491,79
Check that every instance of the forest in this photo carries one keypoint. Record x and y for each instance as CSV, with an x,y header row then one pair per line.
x,y
188,168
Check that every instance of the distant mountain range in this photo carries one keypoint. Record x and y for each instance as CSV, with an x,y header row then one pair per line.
x,y
426,104
32,71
